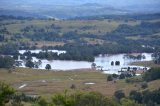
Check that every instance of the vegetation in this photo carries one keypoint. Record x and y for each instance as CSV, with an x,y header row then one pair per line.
x,y
152,74
6,62
9,96
146,97
5,93
156,56
82,39
119,94
109,78
29,64
48,67
85,93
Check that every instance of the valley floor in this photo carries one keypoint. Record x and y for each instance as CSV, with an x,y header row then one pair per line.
x,y
46,83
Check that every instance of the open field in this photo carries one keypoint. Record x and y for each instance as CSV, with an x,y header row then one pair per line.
x,y
146,63
46,83
98,27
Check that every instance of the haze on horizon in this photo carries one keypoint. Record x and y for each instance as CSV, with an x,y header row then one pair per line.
x,y
71,2
72,8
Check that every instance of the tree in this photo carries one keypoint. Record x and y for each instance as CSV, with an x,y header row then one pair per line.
x,y
29,64
93,65
117,63
5,93
48,67
122,76
136,96
156,56
152,74
109,78
128,102
119,94
6,62
144,85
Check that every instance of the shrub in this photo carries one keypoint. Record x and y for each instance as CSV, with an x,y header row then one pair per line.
x,y
122,76
115,75
136,96
152,74
144,85
119,94
48,67
134,80
29,64
5,93
109,78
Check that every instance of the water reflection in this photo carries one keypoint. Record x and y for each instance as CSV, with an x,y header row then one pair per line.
x,y
101,61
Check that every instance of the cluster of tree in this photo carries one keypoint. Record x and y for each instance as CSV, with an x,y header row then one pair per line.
x,y
38,34
6,62
30,64
152,74
145,28
156,56
9,96
84,51
9,49
144,98
132,17
3,30
72,54
2,38
10,17
149,98
138,57
121,76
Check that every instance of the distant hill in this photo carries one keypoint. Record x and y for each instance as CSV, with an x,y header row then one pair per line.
x,y
71,8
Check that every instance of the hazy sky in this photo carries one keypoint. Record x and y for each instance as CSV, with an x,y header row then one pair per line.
x,y
109,2
127,4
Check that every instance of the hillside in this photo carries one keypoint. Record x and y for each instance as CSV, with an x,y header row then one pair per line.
x,y
82,38
70,8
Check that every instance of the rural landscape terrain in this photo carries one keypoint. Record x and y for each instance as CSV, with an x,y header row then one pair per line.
x,y
79,53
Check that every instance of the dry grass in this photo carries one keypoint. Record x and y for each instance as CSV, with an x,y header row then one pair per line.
x,y
146,63
100,27
40,44
46,83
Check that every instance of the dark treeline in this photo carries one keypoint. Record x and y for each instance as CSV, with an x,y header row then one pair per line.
x,y
86,52
10,17
143,29
70,55
9,49
123,17
6,62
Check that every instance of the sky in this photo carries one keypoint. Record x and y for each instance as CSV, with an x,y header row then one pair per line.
x,y
108,2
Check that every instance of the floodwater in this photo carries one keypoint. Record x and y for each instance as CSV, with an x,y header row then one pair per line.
x,y
101,61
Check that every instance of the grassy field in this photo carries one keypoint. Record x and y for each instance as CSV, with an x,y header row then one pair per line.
x,y
46,83
98,27
95,27
146,63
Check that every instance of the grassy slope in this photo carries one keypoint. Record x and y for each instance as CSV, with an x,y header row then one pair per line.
x,y
146,63
97,27
70,25
59,81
